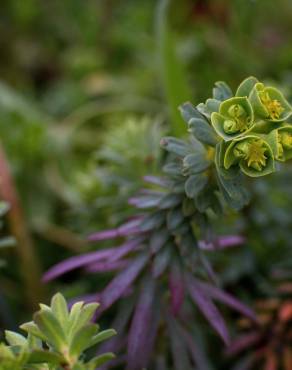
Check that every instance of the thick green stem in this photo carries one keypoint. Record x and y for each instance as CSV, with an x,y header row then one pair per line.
x,y
29,265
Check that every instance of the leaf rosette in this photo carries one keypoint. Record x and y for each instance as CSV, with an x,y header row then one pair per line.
x,y
234,119
269,103
252,154
281,142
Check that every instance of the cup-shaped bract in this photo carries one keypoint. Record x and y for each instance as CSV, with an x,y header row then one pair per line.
x,y
280,141
269,103
234,119
246,86
252,153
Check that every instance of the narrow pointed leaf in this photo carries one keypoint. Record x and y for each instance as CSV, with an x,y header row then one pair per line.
x,y
139,345
122,282
228,300
207,308
100,360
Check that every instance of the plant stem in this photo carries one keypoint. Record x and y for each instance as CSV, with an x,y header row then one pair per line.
x,y
29,264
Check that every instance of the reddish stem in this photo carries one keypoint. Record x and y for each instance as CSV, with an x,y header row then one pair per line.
x,y
29,265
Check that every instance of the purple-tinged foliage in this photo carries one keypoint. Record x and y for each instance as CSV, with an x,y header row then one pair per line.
x,y
222,242
121,282
143,327
176,288
163,255
207,307
88,259
129,228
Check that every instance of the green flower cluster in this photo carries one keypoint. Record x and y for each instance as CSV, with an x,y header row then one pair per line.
x,y
251,126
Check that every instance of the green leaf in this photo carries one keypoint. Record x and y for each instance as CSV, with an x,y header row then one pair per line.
x,y
100,360
231,182
83,318
195,163
51,328
31,328
158,239
162,260
102,336
74,317
169,201
152,221
174,218
45,356
34,342
195,184
82,339
15,339
173,168
176,146
60,309
201,129
222,91
211,105
188,111
198,125
246,86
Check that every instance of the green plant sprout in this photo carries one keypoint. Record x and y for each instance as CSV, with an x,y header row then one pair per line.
x,y
56,339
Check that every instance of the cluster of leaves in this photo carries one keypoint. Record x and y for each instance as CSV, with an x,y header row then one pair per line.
x,y
166,244
57,339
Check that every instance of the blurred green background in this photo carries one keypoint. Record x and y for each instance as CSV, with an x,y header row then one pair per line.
x,y
87,89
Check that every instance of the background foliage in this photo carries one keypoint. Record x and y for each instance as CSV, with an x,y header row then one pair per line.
x,y
87,90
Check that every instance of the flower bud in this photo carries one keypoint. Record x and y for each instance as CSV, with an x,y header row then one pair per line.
x,y
235,118
286,139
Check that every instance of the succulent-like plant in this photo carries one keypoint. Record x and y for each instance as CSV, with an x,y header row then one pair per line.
x,y
162,265
56,340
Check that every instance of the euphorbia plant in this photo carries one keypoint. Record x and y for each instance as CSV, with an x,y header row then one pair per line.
x,y
56,339
162,265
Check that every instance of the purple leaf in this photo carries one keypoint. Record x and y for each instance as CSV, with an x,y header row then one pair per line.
x,y
89,258
242,343
156,180
143,328
161,262
76,262
179,349
125,249
145,201
198,355
228,300
106,266
129,228
177,288
116,343
119,284
222,242
207,308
